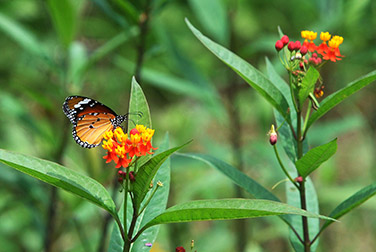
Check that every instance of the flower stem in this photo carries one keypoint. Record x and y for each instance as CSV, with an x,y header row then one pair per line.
x,y
148,201
283,167
303,203
126,240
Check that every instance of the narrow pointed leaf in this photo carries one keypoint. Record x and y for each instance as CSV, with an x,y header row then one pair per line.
x,y
139,112
238,177
137,104
315,157
307,85
226,209
350,203
147,172
332,100
61,177
245,70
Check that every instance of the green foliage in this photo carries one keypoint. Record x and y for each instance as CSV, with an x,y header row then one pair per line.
x,y
315,157
251,75
308,84
225,209
339,96
61,177
147,172
352,202
64,18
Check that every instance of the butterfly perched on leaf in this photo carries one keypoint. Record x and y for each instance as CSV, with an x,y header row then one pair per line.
x,y
90,119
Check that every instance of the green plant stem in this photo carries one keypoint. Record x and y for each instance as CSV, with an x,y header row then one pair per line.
x,y
120,225
292,91
283,167
306,118
303,203
126,240
149,199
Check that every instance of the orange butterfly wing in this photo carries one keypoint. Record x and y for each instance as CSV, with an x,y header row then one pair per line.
x,y
90,120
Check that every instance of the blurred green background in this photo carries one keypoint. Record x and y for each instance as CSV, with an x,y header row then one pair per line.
x,y
55,48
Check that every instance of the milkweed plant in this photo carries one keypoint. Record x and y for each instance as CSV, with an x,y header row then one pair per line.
x,y
143,168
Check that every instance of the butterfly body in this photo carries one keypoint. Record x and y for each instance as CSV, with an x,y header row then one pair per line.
x,y
90,120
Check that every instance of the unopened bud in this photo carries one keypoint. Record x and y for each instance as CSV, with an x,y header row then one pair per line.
x,y
298,45
279,45
298,179
303,50
285,40
291,46
273,136
193,241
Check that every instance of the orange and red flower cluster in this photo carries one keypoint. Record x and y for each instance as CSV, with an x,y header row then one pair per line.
x,y
121,148
328,49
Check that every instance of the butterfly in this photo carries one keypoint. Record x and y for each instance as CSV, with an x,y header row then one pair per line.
x,y
90,119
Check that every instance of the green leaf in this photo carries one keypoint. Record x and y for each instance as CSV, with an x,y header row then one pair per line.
x,y
139,112
137,104
245,70
147,172
64,18
350,203
239,178
308,84
332,100
214,21
281,84
293,198
156,206
61,177
226,209
22,36
315,157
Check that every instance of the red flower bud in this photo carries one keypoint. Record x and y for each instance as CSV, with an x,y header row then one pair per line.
x,y
291,46
318,61
273,136
303,50
179,249
314,55
279,45
298,179
297,45
285,40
